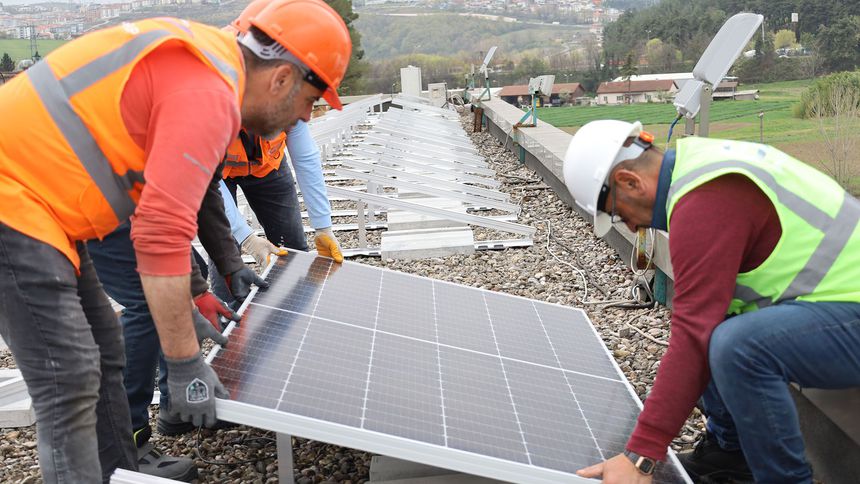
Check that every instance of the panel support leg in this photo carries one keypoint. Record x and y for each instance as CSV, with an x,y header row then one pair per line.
x,y
285,458
362,231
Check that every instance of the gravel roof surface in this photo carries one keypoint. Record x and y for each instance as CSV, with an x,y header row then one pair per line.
x,y
555,269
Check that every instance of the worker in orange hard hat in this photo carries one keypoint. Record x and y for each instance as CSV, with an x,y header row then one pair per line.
x,y
255,164
133,120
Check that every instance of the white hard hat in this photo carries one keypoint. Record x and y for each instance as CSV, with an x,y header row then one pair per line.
x,y
594,150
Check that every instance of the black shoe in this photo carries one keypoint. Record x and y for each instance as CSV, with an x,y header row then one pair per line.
x,y
154,463
172,426
708,462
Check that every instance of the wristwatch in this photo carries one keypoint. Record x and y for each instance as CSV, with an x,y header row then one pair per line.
x,y
642,464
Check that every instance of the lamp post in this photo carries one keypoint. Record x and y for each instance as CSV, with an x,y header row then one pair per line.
x,y
761,127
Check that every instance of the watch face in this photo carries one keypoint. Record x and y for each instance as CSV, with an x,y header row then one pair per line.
x,y
646,465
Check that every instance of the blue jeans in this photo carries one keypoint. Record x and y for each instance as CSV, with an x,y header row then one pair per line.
x,y
116,264
68,345
754,356
274,200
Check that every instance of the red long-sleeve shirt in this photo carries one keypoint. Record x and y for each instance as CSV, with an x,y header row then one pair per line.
x,y
183,115
720,229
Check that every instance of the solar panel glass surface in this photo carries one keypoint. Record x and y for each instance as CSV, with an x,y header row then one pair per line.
x,y
457,377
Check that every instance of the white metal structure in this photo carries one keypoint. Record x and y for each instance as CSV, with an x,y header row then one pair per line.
x,y
695,96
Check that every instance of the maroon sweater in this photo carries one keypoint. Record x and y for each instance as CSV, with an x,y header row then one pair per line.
x,y
720,229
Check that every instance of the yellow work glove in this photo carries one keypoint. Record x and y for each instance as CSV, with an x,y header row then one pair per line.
x,y
327,244
261,249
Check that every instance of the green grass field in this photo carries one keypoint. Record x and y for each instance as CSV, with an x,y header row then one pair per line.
x,y
20,48
729,119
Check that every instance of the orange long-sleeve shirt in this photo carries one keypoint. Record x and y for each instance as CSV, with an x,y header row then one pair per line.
x,y
183,115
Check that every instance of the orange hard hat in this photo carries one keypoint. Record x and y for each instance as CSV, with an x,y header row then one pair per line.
x,y
311,32
242,23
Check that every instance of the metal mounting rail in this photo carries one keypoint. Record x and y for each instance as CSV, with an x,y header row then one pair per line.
x,y
351,227
394,154
425,108
441,170
382,201
468,147
429,180
479,245
437,192
451,128
428,145
426,150
400,119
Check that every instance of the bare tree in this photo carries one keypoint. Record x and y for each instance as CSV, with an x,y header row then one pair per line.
x,y
838,115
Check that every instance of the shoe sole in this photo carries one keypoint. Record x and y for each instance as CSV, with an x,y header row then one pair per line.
x,y
187,476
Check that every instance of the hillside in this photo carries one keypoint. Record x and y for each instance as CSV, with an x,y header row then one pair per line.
x,y
385,35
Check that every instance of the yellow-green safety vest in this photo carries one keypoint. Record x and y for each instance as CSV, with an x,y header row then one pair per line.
x,y
817,258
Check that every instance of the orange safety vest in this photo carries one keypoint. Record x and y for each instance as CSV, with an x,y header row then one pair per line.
x,y
236,162
69,170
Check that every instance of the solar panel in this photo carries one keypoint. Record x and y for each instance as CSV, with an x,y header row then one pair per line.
x,y
428,371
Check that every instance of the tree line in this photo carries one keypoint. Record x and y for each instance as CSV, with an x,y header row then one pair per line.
x,y
829,29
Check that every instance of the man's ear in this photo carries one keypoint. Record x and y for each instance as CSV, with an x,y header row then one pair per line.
x,y
281,78
628,180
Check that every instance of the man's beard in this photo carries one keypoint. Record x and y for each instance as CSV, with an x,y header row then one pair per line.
x,y
275,118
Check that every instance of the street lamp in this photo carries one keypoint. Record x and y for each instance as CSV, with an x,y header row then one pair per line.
x,y
761,127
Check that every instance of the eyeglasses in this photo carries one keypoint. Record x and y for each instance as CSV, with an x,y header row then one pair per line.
x,y
603,220
601,203
313,79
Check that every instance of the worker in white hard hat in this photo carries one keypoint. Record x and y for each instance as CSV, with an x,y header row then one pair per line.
x,y
765,252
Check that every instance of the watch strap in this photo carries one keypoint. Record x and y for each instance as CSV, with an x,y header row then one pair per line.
x,y
645,465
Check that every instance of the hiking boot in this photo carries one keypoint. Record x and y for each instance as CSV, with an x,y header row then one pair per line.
x,y
171,425
153,463
709,463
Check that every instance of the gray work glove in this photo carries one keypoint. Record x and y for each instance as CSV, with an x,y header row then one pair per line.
x,y
261,249
240,282
206,329
193,387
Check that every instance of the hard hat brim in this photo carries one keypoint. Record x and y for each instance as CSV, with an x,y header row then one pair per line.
x,y
333,100
602,223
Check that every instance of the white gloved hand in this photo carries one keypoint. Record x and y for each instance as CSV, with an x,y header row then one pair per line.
x,y
327,244
261,249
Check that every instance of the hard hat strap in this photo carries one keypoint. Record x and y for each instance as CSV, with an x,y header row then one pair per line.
x,y
642,144
276,51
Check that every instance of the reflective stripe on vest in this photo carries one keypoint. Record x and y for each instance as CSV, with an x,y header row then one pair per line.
x,y
837,230
56,94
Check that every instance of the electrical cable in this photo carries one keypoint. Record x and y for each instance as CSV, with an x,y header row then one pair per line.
x,y
672,127
579,272
240,440
640,282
